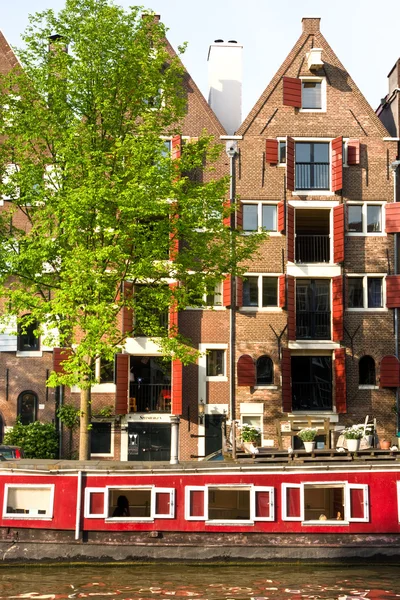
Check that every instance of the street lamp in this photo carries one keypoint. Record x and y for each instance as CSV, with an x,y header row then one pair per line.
x,y
201,411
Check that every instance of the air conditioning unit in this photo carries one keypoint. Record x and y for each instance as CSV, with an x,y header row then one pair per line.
x,y
314,59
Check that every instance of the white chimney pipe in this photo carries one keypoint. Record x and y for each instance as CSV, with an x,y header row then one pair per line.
x,y
225,83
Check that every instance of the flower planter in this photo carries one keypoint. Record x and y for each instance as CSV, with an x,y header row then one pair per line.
x,y
309,446
353,445
385,445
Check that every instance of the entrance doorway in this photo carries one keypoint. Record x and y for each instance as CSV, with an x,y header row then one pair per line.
x,y
213,433
149,441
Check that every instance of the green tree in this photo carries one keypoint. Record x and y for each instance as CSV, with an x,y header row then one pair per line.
x,y
94,187
69,416
38,440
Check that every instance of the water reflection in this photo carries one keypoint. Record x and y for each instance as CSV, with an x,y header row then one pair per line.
x,y
165,582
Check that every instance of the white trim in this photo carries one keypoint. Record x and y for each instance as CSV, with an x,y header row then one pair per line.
x,y
398,500
29,353
364,277
94,490
314,271
260,307
16,516
195,488
313,204
347,506
160,490
260,204
128,519
284,488
313,345
253,492
230,137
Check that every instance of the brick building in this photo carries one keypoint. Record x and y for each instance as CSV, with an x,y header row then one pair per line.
x,y
312,320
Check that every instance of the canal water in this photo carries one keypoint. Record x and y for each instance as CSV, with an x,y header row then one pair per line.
x,y
166,582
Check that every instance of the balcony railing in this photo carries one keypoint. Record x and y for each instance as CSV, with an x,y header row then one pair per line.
x,y
312,396
312,248
150,397
314,325
312,176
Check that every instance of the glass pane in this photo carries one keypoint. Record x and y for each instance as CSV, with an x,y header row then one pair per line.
x,y
303,152
250,217
130,503
375,292
250,291
270,291
355,218
106,371
162,503
228,504
265,371
269,217
282,152
100,439
27,408
366,370
29,501
262,504
215,363
374,219
293,502
321,152
322,296
356,299
196,503
252,421
357,503
96,503
311,94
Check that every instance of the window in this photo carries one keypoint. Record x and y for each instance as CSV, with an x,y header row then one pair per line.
x,y
325,503
229,504
28,501
215,365
215,297
311,383
365,292
27,340
27,407
282,152
100,439
260,291
366,371
138,503
311,96
106,371
312,166
265,370
364,218
259,215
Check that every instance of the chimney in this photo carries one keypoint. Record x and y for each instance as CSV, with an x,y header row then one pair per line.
x,y
311,24
154,17
225,83
56,42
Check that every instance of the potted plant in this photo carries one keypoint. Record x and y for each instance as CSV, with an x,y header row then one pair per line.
x,y
307,436
251,436
353,436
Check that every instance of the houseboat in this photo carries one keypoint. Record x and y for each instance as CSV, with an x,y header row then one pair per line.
x,y
278,507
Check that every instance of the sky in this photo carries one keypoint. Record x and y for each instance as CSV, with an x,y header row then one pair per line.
x,y
365,38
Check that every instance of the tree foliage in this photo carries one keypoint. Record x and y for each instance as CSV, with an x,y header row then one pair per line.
x,y
38,440
93,201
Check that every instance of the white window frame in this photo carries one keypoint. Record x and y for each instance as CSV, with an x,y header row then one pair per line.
x,y
311,140
260,204
223,376
108,454
364,232
101,388
261,308
347,518
322,80
252,498
88,492
153,491
17,516
364,277
398,500
281,140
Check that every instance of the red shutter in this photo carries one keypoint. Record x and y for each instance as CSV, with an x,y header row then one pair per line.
x,y
173,236
338,233
239,215
281,217
246,371
127,313
176,396
389,372
340,380
239,291
122,383
286,367
290,233
353,152
271,152
176,146
227,291
282,291
337,308
292,92
59,356
393,291
392,217
291,308
337,164
290,164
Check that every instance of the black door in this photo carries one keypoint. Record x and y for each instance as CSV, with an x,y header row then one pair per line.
x,y
149,441
213,434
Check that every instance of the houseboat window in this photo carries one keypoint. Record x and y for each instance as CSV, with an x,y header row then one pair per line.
x,y
134,503
228,504
26,501
100,439
323,503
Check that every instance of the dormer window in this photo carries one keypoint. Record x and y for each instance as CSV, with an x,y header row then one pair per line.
x,y
311,95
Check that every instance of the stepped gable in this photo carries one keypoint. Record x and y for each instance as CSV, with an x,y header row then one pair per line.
x,y
355,117
8,60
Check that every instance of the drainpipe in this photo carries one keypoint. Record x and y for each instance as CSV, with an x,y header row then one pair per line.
x,y
394,166
231,151
174,440
60,425
78,505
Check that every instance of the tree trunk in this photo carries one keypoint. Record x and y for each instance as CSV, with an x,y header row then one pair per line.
x,y
85,419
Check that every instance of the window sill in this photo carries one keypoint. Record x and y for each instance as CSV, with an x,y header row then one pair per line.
x,y
367,234
266,387
312,110
230,523
368,387
313,193
29,353
260,309
326,523
216,378
27,517
128,520
209,308
101,455
369,310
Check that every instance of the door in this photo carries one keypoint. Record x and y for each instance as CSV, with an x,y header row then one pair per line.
x,y
213,433
149,441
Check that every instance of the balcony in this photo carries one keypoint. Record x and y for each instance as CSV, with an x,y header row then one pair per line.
x,y
312,176
312,248
312,396
150,397
315,325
